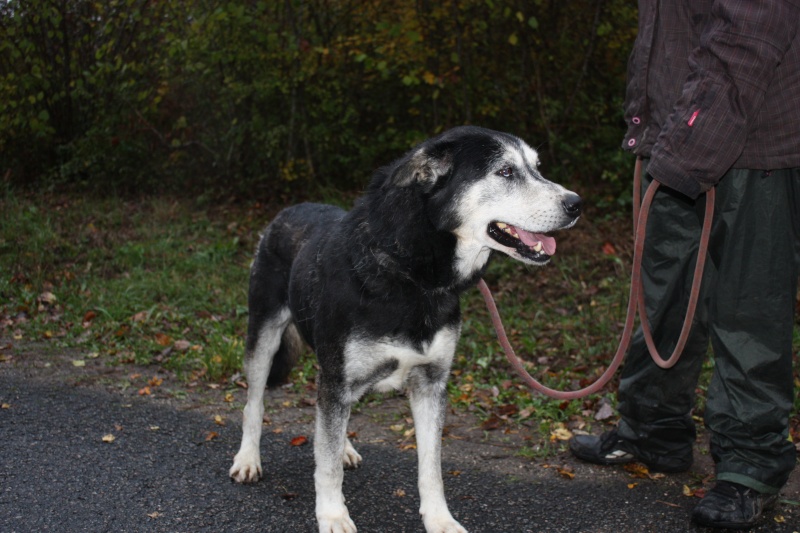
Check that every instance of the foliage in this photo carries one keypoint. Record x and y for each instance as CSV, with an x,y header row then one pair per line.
x,y
132,95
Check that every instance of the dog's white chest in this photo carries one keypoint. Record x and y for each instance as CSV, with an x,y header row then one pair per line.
x,y
384,364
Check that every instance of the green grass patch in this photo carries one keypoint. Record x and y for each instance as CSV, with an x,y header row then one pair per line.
x,y
152,281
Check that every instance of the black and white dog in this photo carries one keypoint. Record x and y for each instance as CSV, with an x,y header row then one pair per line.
x,y
375,293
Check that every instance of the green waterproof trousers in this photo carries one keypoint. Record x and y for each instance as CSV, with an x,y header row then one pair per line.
x,y
746,311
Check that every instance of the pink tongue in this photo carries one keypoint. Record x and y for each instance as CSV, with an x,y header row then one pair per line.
x,y
530,239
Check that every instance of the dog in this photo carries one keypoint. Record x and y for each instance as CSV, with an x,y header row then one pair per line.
x,y
375,293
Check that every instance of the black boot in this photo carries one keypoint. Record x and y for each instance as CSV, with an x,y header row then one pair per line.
x,y
733,506
610,449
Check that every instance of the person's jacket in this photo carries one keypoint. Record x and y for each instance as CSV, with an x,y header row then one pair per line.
x,y
714,85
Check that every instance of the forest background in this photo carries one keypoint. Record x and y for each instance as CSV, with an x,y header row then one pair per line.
x,y
271,97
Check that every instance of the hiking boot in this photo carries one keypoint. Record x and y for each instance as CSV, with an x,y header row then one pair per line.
x,y
733,506
610,449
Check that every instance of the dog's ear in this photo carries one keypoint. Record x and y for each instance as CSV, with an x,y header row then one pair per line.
x,y
423,166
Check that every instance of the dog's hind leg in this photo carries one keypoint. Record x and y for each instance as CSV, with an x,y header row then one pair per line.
x,y
428,395
330,439
258,362
351,458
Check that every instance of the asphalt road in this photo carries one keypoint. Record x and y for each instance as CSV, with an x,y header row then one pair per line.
x,y
161,474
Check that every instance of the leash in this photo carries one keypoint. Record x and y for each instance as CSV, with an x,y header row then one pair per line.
x,y
635,300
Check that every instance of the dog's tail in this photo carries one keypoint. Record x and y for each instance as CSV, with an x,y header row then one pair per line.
x,y
286,357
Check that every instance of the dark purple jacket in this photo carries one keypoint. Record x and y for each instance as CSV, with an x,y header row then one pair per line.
x,y
714,85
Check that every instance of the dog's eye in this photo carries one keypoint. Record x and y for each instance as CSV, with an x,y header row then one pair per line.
x,y
506,172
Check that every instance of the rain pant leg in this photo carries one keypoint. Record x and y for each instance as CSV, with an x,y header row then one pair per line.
x,y
655,403
751,322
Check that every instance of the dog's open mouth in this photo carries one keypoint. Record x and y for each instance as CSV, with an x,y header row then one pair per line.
x,y
534,246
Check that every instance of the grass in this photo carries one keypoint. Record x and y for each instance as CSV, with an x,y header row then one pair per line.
x,y
148,282
163,282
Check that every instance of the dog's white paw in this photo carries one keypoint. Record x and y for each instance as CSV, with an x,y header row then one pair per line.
x,y
338,523
443,523
246,466
351,458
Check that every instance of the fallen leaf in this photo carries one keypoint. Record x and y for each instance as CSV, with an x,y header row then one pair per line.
x,y
155,381
400,493
5,406
140,316
609,248
566,471
299,441
154,428
637,470
507,410
491,423
89,316
455,472
218,420
632,485
79,362
526,413
560,433
163,340
144,391
780,519
154,515
109,438
211,435
228,397
182,345
397,427
605,412
47,298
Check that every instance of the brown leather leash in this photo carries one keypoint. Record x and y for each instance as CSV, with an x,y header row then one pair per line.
x,y
635,300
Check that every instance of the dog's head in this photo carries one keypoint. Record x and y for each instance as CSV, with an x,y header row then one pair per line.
x,y
485,188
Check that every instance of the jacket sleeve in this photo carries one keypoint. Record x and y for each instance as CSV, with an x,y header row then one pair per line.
x,y
739,52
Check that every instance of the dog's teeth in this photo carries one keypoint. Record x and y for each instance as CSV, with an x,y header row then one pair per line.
x,y
537,247
502,225
515,235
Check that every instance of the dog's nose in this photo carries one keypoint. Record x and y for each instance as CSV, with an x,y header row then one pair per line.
x,y
572,205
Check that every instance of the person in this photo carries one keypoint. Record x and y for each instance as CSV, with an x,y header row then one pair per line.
x,y
713,100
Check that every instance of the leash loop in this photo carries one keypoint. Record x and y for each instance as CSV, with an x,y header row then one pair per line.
x,y
636,300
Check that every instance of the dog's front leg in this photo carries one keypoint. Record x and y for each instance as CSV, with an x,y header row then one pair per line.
x,y
333,412
428,405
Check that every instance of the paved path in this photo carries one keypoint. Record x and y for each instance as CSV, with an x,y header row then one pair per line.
x,y
57,475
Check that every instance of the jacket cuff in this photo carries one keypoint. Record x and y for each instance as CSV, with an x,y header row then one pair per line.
x,y
675,177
